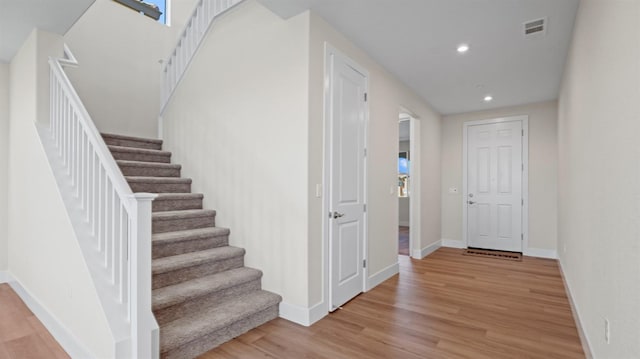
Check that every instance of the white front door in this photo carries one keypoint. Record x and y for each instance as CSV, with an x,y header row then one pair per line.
x,y
347,129
494,185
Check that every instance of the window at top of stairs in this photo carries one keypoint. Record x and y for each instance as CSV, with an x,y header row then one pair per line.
x,y
155,9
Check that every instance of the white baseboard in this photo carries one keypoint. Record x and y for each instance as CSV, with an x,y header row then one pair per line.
x,y
379,277
68,342
453,243
421,253
301,315
584,340
541,253
5,277
404,224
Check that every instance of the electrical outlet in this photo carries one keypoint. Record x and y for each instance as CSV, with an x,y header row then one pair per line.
x,y
607,331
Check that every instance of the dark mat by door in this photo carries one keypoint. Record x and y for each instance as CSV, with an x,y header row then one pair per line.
x,y
511,256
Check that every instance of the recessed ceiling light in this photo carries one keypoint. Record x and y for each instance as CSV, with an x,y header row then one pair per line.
x,y
462,48
488,98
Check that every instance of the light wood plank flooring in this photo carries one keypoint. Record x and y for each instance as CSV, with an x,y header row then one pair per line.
x,y
22,336
445,306
403,240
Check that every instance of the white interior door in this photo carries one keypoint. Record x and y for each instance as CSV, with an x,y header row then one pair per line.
x,y
347,117
494,186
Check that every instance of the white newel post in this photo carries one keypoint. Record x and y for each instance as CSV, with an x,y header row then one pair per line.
x,y
143,323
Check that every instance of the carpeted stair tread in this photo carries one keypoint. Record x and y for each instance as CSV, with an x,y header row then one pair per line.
x,y
191,327
170,221
131,141
174,196
159,184
139,154
190,234
181,261
189,290
177,201
187,213
149,169
190,240
159,180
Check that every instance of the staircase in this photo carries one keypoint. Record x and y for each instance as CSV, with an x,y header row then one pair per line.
x,y
203,295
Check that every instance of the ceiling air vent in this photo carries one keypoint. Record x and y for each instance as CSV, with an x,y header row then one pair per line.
x,y
535,27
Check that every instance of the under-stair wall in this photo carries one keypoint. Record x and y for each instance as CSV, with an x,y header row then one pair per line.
x,y
46,266
238,125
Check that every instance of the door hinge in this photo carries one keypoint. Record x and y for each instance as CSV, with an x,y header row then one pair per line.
x,y
523,133
364,263
365,152
365,97
522,236
364,206
523,201
523,167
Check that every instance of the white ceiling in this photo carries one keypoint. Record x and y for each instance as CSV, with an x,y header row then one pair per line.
x,y
19,17
417,39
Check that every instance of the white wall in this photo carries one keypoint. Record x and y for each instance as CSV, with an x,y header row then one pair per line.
x,y
118,78
238,125
44,256
599,174
542,172
387,98
4,156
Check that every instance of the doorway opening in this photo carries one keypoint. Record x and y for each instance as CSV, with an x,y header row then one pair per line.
x,y
409,185
404,184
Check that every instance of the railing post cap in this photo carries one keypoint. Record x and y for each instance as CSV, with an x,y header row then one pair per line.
x,y
142,196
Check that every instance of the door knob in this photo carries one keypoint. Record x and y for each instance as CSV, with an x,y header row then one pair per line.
x,y
471,202
337,215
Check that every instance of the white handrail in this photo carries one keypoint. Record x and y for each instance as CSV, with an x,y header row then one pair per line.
x,y
205,12
118,221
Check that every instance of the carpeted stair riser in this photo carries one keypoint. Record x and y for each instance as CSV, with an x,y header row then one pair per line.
x,y
213,339
162,185
184,274
161,250
174,312
163,204
178,222
149,169
127,141
141,155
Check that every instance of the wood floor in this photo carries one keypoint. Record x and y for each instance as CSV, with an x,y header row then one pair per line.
x,y
445,306
22,336
403,240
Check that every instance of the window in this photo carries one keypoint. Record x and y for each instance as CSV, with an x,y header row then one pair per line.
x,y
162,6
403,174
155,9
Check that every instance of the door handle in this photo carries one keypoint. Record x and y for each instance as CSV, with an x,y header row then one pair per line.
x,y
471,202
337,215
